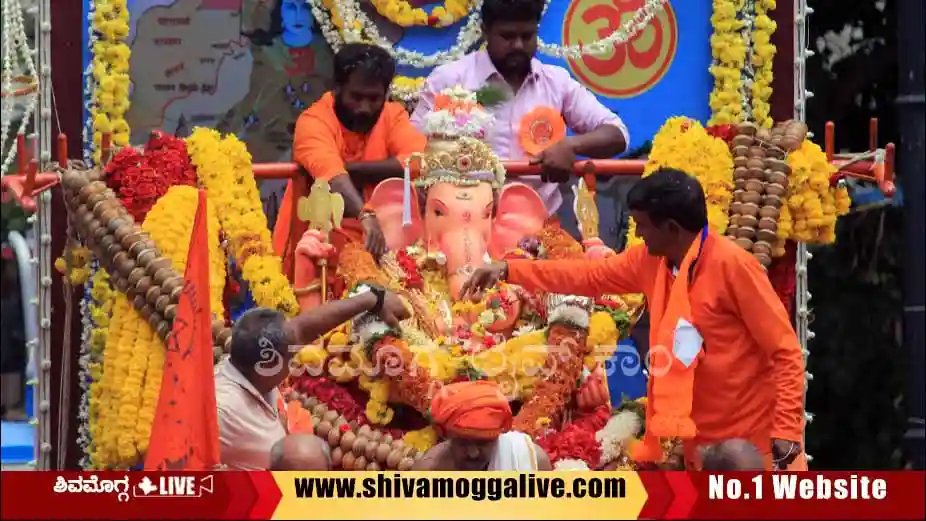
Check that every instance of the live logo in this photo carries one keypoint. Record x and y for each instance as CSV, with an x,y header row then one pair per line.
x,y
177,486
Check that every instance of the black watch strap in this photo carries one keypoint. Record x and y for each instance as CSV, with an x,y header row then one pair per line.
x,y
380,293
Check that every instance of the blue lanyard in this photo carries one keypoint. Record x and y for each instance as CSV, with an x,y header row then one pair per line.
x,y
694,261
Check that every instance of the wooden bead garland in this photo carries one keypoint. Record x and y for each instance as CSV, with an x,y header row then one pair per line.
x,y
133,261
761,181
356,447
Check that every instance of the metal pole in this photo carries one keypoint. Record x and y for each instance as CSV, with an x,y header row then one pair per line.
x,y
910,104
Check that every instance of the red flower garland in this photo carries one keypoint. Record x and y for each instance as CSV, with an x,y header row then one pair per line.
x,y
409,265
337,398
725,132
139,179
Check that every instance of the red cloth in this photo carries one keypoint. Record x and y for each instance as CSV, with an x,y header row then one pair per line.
x,y
185,433
782,274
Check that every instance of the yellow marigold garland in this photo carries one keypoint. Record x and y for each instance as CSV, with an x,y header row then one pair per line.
x,y
602,338
421,440
684,144
402,13
812,205
729,52
763,52
170,225
125,399
117,355
111,73
223,166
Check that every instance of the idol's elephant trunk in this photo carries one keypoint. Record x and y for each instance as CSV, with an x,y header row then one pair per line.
x,y
465,249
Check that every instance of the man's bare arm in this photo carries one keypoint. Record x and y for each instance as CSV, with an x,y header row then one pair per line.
x,y
310,325
604,142
543,460
371,172
353,201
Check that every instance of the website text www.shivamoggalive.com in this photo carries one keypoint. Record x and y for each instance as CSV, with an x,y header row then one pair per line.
x,y
397,486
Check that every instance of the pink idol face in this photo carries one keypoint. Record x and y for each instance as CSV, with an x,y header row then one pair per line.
x,y
452,208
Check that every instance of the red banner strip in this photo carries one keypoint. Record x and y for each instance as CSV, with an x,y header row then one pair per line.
x,y
781,495
122,495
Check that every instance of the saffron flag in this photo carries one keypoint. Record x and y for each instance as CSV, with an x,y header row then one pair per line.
x,y
185,433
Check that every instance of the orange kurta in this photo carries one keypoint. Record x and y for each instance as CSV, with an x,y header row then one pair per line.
x,y
750,382
323,147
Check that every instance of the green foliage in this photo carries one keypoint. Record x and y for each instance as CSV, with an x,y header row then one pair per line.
x,y
12,217
491,95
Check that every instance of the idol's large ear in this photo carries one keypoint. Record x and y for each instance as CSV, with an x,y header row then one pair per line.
x,y
387,201
520,212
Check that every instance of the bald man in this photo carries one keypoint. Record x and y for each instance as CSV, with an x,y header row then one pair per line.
x,y
300,452
735,454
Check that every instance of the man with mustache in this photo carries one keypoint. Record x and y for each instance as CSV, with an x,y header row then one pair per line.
x,y
510,31
353,138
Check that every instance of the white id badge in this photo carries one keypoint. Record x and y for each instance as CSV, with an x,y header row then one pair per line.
x,y
687,342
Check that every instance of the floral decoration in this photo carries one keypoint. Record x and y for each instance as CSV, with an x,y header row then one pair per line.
x,y
140,177
110,69
223,166
812,205
402,13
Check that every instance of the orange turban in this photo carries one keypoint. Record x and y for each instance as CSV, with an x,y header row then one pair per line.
x,y
474,410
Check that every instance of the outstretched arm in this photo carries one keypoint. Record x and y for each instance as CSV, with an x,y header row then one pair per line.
x,y
311,324
754,297
616,274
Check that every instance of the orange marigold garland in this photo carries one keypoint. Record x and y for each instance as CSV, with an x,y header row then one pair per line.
x,y
564,369
413,385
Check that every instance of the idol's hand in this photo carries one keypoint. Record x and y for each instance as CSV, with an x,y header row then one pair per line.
x,y
556,162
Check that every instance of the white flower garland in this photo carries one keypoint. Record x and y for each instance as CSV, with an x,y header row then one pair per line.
x,y
640,20
748,15
83,412
90,87
573,465
357,24
14,40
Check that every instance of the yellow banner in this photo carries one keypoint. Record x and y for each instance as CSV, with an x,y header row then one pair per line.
x,y
459,495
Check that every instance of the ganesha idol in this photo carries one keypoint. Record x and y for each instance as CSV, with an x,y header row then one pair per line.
x,y
452,214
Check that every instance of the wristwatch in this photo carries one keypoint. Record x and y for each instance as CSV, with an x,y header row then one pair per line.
x,y
375,289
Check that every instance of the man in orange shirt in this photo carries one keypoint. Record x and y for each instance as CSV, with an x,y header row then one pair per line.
x,y
353,138
725,362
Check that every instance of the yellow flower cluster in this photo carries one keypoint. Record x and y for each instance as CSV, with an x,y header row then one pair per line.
x,y
111,73
377,410
729,52
601,340
421,440
102,301
77,269
106,393
684,144
402,13
170,225
406,87
124,401
515,364
812,206
223,166
763,52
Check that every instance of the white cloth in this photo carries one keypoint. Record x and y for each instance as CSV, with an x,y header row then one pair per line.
x,y
514,452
